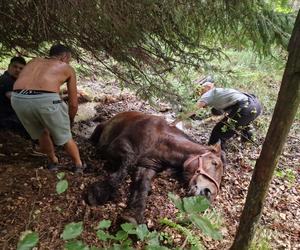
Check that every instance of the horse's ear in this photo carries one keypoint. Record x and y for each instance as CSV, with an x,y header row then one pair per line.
x,y
216,148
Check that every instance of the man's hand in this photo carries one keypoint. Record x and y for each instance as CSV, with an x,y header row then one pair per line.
x,y
189,114
181,118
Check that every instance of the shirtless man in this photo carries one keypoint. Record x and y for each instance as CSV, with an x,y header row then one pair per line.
x,y
36,100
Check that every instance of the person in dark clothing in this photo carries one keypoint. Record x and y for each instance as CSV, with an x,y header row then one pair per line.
x,y
8,117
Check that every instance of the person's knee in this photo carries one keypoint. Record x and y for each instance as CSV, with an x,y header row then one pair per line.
x,y
69,143
45,133
71,147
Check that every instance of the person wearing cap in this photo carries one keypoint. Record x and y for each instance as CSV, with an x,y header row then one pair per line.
x,y
241,109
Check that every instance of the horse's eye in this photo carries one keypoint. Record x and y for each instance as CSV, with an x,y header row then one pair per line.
x,y
214,162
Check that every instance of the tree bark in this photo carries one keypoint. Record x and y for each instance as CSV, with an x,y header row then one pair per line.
x,y
284,114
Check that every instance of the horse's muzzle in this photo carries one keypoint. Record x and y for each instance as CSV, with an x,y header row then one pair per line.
x,y
206,192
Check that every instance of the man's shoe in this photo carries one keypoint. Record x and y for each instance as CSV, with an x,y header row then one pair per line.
x,y
247,136
79,169
53,166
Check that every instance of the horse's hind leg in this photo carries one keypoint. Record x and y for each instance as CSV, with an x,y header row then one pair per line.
x,y
139,192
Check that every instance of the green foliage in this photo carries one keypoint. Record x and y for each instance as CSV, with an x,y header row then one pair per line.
x,y
62,185
287,174
142,231
72,230
166,238
191,205
194,240
4,63
76,245
104,224
245,71
147,45
189,209
206,226
122,236
262,240
123,239
28,240
290,175
279,173
60,175
283,6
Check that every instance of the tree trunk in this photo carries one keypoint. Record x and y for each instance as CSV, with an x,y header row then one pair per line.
x,y
284,113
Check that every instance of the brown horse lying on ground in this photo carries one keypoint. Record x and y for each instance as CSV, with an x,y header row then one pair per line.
x,y
148,144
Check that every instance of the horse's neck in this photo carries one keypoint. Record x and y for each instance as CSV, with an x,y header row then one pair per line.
x,y
191,148
180,150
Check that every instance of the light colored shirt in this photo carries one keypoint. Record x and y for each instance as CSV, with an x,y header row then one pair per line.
x,y
220,98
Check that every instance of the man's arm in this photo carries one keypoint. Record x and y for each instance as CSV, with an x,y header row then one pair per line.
x,y
72,94
185,116
8,86
201,104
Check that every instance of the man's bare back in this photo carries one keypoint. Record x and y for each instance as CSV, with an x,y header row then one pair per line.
x,y
45,74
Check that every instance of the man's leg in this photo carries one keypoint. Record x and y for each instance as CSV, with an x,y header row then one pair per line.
x,y
248,115
72,149
46,146
222,131
246,134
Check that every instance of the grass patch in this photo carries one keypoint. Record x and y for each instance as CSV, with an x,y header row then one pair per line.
x,y
247,72
262,239
262,76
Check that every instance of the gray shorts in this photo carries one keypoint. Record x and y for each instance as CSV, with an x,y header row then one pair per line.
x,y
45,110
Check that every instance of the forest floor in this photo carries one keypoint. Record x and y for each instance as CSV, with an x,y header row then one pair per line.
x,y
28,200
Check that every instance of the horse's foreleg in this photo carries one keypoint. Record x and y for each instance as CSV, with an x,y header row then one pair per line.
x,y
139,192
101,192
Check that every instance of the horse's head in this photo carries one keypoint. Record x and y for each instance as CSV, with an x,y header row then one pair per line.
x,y
205,171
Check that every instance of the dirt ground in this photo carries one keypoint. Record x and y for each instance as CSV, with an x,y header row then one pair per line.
x,y
28,200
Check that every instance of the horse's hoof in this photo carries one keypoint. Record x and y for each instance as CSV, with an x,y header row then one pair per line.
x,y
99,193
129,219
90,200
